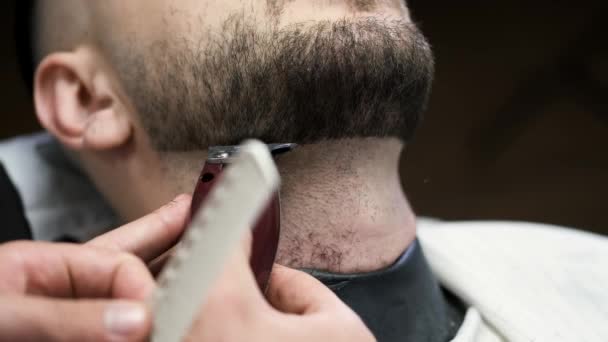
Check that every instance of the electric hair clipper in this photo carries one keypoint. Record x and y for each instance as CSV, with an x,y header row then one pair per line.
x,y
267,228
237,190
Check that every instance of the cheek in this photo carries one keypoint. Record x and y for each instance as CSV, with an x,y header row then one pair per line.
x,y
190,18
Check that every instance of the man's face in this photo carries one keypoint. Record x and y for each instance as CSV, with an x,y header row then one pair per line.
x,y
215,72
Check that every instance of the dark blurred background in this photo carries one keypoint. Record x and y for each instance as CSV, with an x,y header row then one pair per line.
x,y
517,128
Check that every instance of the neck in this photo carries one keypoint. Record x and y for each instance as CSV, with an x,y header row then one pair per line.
x,y
343,206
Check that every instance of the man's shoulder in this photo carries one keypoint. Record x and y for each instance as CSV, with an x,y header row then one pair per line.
x,y
22,149
33,162
26,163
58,197
522,237
529,281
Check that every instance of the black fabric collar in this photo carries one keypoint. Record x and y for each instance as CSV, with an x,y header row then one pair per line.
x,y
401,303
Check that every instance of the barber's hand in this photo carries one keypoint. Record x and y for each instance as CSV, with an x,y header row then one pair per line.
x,y
96,292
297,308
53,292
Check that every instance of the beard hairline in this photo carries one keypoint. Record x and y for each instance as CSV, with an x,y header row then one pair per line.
x,y
190,99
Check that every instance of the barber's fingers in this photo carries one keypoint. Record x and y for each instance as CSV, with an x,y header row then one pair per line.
x,y
295,292
28,318
67,270
152,235
311,310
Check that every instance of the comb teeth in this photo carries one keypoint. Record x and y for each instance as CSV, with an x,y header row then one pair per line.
x,y
233,206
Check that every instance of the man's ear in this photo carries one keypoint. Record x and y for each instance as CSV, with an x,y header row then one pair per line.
x,y
76,102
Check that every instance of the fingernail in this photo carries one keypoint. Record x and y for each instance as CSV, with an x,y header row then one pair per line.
x,y
124,319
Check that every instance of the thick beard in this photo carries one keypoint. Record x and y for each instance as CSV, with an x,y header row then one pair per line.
x,y
304,83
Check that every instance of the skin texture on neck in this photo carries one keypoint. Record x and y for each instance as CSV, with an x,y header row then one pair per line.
x,y
343,207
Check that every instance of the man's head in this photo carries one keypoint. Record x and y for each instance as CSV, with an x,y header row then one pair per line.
x,y
162,77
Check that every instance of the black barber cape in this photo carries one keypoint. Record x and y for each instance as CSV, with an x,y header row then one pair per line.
x,y
14,225
403,302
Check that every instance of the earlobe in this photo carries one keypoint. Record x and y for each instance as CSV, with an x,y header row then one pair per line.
x,y
106,130
76,102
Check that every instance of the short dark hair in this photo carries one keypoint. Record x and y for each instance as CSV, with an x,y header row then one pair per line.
x,y
24,40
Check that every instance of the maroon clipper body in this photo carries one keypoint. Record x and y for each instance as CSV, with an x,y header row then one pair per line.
x,y
268,227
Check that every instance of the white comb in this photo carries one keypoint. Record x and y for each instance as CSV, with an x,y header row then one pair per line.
x,y
234,204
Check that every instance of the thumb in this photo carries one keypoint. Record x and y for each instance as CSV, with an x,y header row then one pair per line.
x,y
42,319
296,292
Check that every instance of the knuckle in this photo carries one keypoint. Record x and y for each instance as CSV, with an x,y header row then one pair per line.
x,y
128,259
106,243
